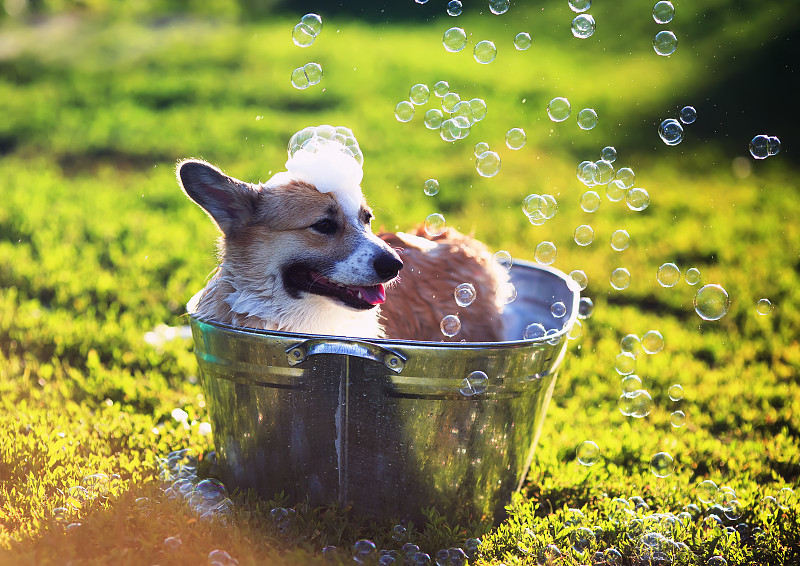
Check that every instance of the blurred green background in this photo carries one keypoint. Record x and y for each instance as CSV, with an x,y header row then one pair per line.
x,y
98,247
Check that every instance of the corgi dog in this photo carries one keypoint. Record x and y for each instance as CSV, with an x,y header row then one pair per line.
x,y
297,254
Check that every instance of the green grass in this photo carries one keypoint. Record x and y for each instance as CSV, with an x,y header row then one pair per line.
x,y
98,246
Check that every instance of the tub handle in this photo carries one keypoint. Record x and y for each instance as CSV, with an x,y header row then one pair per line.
x,y
366,350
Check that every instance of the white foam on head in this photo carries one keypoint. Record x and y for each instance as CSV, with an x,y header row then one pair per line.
x,y
330,170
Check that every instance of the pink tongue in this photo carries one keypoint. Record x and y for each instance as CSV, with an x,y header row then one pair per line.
x,y
374,294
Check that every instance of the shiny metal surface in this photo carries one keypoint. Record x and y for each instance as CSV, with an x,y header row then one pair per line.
x,y
382,425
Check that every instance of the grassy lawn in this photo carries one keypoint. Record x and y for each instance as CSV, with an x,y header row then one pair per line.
x,y
99,249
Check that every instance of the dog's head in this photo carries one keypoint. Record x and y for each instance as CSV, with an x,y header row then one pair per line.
x,y
303,234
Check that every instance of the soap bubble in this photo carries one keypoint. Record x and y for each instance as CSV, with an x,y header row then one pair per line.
x,y
585,308
665,43
299,79
404,111
580,5
706,491
603,172
609,154
668,275
620,239
399,533
478,106
435,224
515,138
580,278
433,119
590,201
620,278
454,40
480,147
786,498
584,235
759,147
313,21
522,41
419,94
454,8
303,35
559,109
431,187
551,206
692,276
675,392
449,130
474,384
670,131
449,101
502,259
763,307
586,173
637,404
587,118
637,199
441,88
221,558
583,26
773,145
364,551
313,72
588,453
688,114
558,309
652,342
663,12
630,343
484,52
450,325
534,331
631,383
711,302
615,191
463,110
499,7
465,294
677,419
626,176
545,253
625,363
488,164
662,465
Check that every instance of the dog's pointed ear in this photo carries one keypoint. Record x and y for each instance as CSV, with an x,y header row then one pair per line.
x,y
229,202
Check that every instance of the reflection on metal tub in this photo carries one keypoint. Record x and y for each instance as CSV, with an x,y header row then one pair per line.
x,y
382,425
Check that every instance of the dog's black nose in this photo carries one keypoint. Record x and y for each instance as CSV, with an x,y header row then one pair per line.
x,y
387,266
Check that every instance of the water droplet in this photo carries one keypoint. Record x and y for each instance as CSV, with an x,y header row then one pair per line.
x,y
580,5
474,384
588,453
484,52
670,131
636,404
559,109
545,253
585,308
637,199
558,309
450,325
620,278
435,224
692,276
303,35
583,26
663,12
763,307
590,202
534,331
419,94
587,118
499,7
688,114
662,465
465,294
706,491
609,154
677,419
625,363
515,138
454,8
665,43
620,239
652,342
433,119
631,383
711,302
299,79
364,551
631,344
454,40
488,164
580,278
522,41
675,392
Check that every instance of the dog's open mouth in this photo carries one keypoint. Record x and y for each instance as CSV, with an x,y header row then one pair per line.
x,y
362,297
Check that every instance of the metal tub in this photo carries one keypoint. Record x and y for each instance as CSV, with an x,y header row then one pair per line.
x,y
381,424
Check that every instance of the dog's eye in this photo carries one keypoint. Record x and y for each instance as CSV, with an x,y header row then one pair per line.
x,y
325,226
367,217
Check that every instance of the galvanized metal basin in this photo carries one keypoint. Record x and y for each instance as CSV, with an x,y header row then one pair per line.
x,y
382,425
